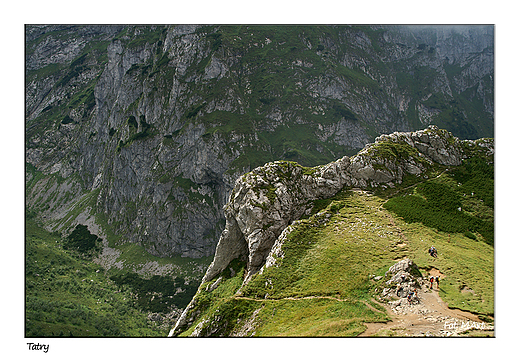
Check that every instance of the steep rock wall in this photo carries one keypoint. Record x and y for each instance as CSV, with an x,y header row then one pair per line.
x,y
160,121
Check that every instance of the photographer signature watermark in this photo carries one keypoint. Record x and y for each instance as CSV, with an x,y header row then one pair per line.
x,y
464,325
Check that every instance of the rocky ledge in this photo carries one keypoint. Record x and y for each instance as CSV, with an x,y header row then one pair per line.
x,y
265,201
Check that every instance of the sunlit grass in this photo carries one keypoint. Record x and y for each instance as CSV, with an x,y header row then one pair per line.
x,y
314,318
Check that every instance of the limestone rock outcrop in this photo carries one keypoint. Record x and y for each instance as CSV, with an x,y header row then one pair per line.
x,y
265,201
269,198
403,278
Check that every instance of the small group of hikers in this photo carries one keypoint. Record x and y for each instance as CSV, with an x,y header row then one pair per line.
x,y
434,279
433,252
412,296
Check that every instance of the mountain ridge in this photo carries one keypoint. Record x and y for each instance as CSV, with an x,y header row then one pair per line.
x,y
267,203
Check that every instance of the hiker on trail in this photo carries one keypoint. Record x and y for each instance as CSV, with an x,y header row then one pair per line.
x,y
432,251
437,279
410,298
431,282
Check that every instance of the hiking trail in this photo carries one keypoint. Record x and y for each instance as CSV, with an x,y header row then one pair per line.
x,y
430,317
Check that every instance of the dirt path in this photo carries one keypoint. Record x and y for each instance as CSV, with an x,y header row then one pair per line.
x,y
294,298
430,317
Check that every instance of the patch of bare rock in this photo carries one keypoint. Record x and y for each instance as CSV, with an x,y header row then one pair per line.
x,y
417,310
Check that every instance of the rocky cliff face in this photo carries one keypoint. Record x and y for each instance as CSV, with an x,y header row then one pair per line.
x,y
150,126
266,201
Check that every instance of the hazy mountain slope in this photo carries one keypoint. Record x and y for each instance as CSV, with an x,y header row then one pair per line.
x,y
153,124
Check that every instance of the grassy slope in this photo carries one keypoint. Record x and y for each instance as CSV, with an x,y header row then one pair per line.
x,y
67,294
463,261
332,261
70,296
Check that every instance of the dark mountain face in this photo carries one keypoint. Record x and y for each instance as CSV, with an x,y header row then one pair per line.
x,y
148,127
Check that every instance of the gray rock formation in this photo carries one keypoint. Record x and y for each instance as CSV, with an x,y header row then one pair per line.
x,y
403,279
264,202
269,198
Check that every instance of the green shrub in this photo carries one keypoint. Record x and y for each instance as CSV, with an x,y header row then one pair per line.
x,y
477,177
132,122
438,203
194,110
82,240
216,40
67,120
440,195
146,131
470,235
158,293
395,151
339,110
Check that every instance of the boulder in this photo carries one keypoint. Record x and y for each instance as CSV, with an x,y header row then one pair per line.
x,y
403,278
